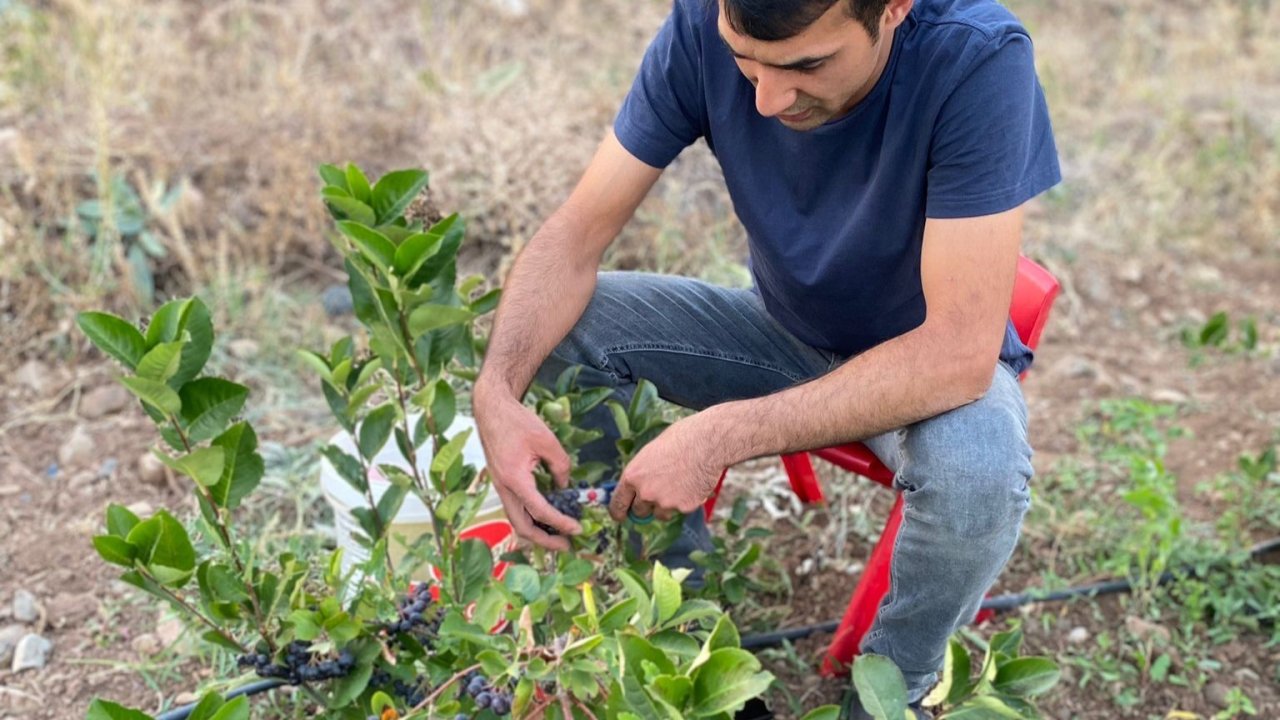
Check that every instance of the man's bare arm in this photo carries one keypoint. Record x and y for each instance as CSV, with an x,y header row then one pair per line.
x,y
967,272
555,274
545,294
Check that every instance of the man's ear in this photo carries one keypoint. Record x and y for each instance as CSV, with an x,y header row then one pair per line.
x,y
894,13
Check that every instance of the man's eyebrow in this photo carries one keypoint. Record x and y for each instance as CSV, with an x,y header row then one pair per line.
x,y
800,64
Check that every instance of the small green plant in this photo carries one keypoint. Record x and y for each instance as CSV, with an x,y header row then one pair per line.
x,y
120,213
1005,684
1218,333
1237,704
518,635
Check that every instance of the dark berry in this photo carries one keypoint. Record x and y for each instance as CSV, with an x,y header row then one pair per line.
x,y
484,699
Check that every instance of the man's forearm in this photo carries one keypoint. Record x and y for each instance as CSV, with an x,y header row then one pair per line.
x,y
545,293
899,382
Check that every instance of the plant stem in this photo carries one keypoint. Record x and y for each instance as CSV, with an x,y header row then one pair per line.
x,y
436,693
582,706
424,492
187,606
224,530
564,705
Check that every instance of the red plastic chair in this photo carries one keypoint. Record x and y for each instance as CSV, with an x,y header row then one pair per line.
x,y
1034,291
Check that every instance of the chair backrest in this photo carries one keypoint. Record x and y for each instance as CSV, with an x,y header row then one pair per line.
x,y
1034,291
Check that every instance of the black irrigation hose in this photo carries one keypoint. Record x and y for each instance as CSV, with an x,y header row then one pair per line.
x,y
999,603
1003,603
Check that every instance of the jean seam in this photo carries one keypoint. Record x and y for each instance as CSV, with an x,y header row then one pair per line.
x,y
685,350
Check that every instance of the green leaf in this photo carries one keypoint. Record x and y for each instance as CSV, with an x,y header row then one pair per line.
x,y
1007,642
390,501
215,638
352,209
208,404
161,362
306,624
374,246
693,610
225,585
375,430
450,453
619,615
1027,677
333,175
673,689
235,709
394,191
524,581
358,184
983,707
426,318
666,594
120,520
881,688
414,251
475,562
347,467
242,467
444,406
207,706
164,548
115,550
825,712
154,393
955,677
620,418
316,362
487,302
203,465
727,680
113,336
105,710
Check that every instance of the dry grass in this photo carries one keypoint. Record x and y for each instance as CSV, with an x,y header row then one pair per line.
x,y
1167,115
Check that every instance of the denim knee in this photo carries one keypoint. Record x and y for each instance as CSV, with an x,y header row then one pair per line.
x,y
966,472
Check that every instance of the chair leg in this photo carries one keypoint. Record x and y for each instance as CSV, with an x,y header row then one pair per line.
x,y
710,505
804,481
865,602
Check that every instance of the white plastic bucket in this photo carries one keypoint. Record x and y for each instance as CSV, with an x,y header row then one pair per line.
x,y
413,520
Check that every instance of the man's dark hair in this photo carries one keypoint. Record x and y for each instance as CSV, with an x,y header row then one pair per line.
x,y
771,20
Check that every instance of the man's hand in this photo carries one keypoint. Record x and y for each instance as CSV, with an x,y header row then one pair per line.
x,y
675,473
515,440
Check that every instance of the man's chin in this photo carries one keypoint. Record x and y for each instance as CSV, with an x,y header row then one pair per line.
x,y
807,120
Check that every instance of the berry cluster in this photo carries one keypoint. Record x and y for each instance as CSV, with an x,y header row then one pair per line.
x,y
412,613
413,693
300,664
566,503
484,694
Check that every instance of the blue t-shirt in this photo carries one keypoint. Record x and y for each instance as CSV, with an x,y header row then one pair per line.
x,y
956,126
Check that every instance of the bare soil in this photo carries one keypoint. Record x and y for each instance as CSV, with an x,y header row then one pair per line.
x,y
1094,348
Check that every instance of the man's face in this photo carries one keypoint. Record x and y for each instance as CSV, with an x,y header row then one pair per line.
x,y
819,74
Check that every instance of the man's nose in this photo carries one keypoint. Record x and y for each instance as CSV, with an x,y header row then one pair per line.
x,y
772,94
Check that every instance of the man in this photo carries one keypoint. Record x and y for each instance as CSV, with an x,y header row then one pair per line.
x,y
878,153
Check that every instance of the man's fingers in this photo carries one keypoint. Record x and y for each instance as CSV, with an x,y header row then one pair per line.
x,y
557,461
522,523
664,514
541,510
621,500
642,508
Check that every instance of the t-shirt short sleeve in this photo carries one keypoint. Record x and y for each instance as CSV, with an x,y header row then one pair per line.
x,y
664,112
992,147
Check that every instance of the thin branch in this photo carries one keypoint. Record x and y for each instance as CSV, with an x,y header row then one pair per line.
x,y
437,692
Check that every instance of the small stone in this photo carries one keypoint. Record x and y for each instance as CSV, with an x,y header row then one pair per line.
x,y
243,348
1074,366
9,637
1078,635
169,631
25,607
1245,675
108,468
185,698
34,375
1145,630
78,448
104,400
31,653
7,490
142,509
151,471
1170,396
1215,693
146,645
806,567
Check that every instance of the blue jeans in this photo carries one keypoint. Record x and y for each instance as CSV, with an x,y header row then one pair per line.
x,y
963,473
